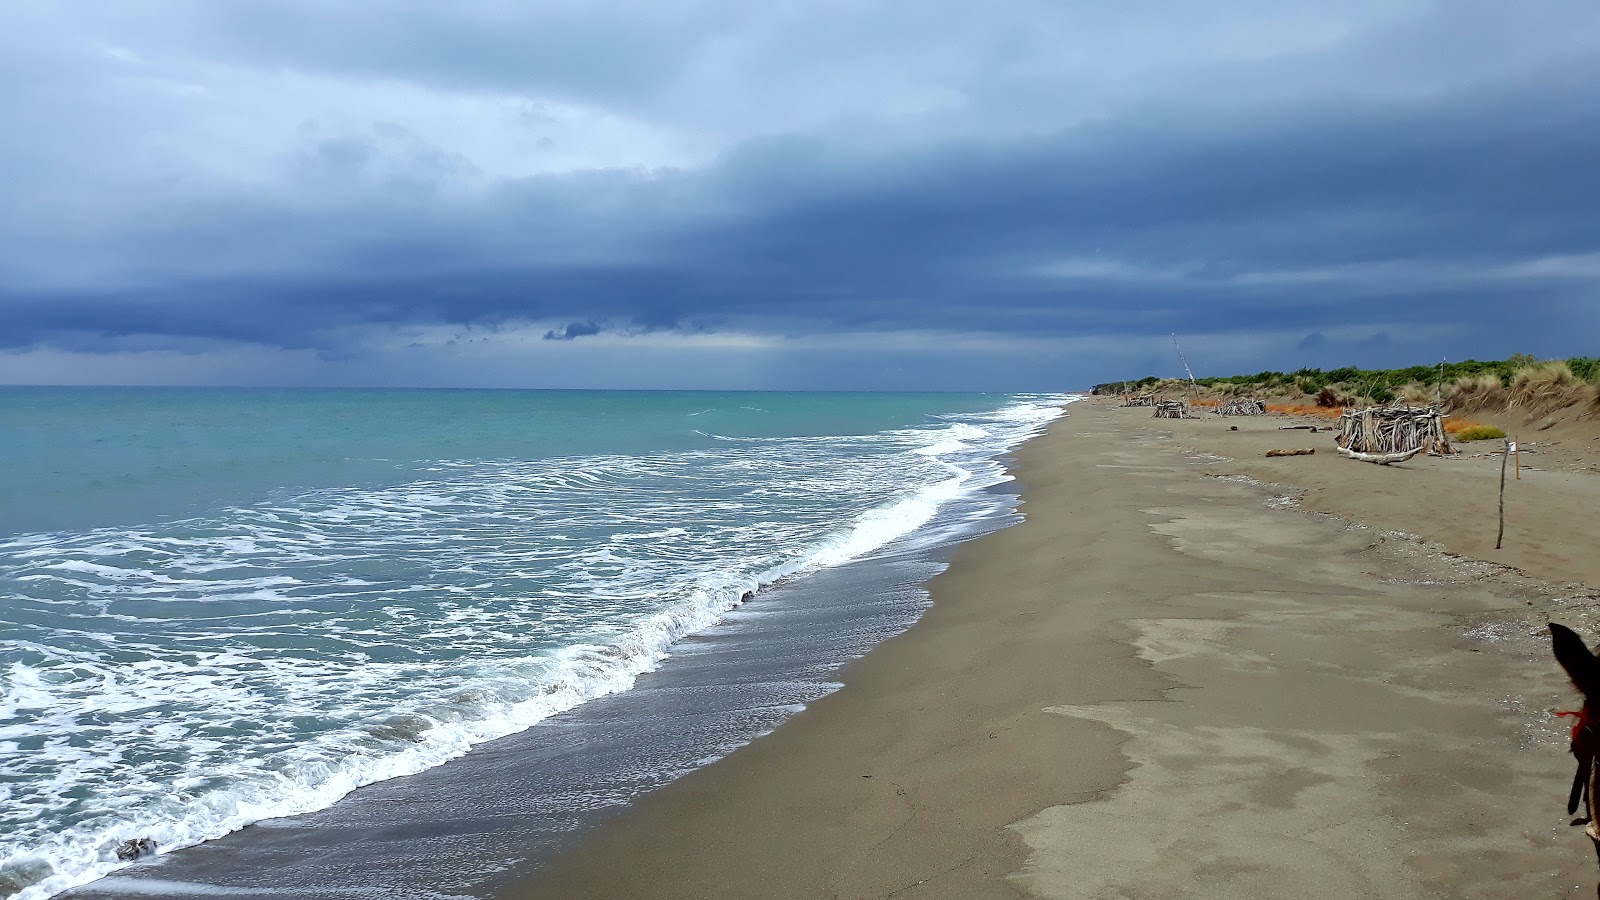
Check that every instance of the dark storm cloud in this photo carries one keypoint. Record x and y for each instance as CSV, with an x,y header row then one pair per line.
x,y
573,331
1389,180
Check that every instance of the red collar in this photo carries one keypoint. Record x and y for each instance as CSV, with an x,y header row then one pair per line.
x,y
1583,729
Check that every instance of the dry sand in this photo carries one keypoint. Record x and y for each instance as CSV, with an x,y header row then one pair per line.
x,y
1173,680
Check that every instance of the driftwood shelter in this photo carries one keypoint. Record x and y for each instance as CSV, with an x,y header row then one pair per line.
x,y
1172,409
1243,406
1399,432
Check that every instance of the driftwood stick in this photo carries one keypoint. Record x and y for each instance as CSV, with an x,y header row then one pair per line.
x,y
1382,459
1500,538
1303,451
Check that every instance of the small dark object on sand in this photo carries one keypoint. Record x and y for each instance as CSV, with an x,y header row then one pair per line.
x,y
1233,428
135,848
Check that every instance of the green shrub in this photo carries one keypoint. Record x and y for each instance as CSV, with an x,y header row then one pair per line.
x,y
1479,433
1330,398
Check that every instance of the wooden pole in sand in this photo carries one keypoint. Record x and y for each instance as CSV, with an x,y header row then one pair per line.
x,y
1516,457
1500,538
1194,389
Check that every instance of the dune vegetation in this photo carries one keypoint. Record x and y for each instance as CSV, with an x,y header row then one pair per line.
x,y
1521,384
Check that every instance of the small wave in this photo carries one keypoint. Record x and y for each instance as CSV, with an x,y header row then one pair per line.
x,y
942,448
267,662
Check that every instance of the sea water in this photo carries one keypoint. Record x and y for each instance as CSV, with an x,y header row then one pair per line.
x,y
223,606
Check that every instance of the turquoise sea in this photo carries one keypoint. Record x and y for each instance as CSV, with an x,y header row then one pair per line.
x,y
223,606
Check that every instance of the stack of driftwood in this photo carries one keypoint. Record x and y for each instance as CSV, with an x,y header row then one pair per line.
x,y
1243,406
1141,400
1172,409
1392,434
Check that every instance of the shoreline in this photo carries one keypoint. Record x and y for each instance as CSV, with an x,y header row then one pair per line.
x,y
1007,745
516,800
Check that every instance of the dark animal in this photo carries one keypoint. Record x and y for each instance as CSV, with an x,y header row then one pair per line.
x,y
135,848
1584,670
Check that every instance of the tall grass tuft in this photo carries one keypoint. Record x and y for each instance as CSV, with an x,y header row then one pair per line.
x,y
1545,386
1471,393
1415,394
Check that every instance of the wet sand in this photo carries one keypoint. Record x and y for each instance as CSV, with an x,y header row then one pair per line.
x,y
1173,680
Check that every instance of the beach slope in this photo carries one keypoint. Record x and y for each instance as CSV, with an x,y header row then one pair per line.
x,y
1170,681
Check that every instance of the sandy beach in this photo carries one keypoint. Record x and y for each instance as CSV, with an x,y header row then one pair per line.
x,y
1191,672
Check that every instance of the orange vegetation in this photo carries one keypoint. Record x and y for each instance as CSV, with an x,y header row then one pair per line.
x,y
1452,424
1305,409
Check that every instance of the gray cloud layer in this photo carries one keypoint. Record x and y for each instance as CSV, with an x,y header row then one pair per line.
x,y
1037,191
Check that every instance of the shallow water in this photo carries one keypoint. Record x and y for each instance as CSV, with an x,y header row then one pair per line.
x,y
265,613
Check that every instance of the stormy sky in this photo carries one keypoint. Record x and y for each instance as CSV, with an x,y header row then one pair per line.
x,y
856,194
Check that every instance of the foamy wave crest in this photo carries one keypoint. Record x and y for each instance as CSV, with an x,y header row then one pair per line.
x,y
180,681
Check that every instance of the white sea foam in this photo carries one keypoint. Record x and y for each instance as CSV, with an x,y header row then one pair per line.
x,y
267,662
